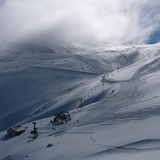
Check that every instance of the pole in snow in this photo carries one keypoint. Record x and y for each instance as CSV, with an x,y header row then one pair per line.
x,y
103,80
81,101
34,130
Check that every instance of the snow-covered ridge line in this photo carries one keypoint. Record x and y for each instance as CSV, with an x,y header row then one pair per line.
x,y
67,70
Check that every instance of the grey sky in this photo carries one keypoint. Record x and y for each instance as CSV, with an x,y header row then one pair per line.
x,y
78,21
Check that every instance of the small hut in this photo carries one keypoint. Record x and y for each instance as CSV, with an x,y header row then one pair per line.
x,y
15,131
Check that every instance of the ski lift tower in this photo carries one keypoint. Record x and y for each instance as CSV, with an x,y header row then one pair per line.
x,y
81,101
34,130
103,80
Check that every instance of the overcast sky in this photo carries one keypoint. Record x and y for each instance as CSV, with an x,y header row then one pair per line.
x,y
78,20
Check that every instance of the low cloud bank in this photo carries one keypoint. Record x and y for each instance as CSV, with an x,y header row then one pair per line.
x,y
88,21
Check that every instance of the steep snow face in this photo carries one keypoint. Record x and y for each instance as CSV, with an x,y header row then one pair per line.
x,y
120,111
40,80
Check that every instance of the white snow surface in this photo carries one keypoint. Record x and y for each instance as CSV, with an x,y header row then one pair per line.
x,y
120,114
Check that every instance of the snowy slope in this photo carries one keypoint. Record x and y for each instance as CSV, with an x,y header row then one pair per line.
x,y
119,86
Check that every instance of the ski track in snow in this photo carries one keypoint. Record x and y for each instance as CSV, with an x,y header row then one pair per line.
x,y
134,146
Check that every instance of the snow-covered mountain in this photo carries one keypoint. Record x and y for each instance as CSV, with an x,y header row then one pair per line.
x,y
119,85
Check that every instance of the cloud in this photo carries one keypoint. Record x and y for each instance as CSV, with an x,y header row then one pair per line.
x,y
78,21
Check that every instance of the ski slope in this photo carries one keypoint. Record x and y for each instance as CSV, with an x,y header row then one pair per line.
x,y
119,87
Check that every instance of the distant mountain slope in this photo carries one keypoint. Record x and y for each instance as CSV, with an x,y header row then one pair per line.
x,y
38,81
119,114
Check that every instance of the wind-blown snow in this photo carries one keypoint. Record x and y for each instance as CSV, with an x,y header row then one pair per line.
x,y
119,87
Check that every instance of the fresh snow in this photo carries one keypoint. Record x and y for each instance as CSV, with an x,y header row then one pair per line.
x,y
119,86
